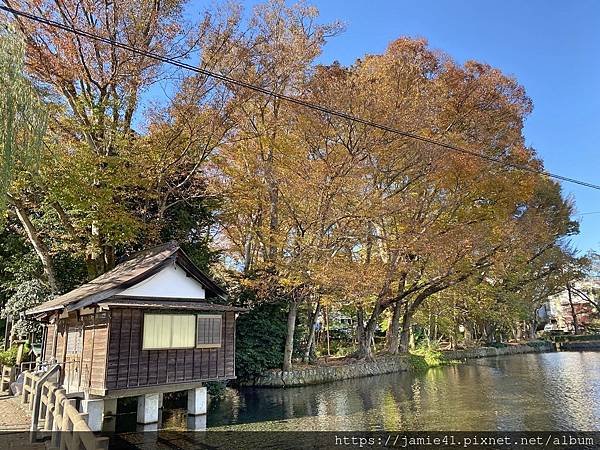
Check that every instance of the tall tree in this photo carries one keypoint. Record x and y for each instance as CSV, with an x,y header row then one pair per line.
x,y
275,51
97,88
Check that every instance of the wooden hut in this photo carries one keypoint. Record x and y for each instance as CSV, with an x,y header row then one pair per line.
x,y
153,324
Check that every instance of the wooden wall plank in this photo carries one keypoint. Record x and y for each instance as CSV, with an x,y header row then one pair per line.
x,y
112,369
130,366
50,350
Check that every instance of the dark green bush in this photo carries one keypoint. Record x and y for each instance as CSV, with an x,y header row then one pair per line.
x,y
9,357
417,363
537,344
216,389
260,340
497,345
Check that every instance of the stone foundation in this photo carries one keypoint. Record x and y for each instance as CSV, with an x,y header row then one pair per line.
x,y
383,365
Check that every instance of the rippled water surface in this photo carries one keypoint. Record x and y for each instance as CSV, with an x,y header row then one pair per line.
x,y
548,391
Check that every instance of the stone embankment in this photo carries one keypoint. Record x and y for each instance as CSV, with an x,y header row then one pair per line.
x,y
484,352
383,365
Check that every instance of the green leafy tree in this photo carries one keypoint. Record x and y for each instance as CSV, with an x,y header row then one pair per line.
x,y
23,114
28,294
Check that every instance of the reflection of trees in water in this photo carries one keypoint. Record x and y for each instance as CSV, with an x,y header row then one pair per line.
x,y
524,392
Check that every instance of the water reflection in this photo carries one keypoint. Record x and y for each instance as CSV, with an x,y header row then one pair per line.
x,y
551,391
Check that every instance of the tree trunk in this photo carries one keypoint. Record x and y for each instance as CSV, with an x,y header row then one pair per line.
x,y
289,338
365,350
518,332
7,332
109,257
312,323
360,324
37,243
533,328
394,330
405,335
468,334
364,335
247,254
573,313
273,191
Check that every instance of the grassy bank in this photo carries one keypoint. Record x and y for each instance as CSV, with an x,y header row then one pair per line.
x,y
428,354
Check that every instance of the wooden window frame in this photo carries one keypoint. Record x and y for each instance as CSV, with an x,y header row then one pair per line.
x,y
169,314
210,316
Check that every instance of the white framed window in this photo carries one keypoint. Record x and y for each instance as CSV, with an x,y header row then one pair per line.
x,y
163,331
208,331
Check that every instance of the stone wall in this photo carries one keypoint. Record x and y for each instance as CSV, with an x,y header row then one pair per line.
x,y
484,352
580,345
383,365
325,374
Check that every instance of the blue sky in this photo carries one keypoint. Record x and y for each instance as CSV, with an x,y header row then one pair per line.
x,y
551,47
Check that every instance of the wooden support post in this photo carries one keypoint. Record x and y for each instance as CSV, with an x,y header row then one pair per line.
x,y
50,406
57,419
44,402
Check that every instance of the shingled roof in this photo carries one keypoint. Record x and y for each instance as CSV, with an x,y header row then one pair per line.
x,y
133,270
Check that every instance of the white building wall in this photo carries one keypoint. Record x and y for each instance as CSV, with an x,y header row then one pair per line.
x,y
172,281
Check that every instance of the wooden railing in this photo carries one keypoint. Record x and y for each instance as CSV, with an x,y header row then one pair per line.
x,y
59,416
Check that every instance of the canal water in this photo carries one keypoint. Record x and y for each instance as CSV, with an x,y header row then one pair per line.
x,y
544,391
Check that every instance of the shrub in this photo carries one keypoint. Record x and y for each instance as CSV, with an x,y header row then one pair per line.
x,y
9,357
417,363
216,389
430,352
260,340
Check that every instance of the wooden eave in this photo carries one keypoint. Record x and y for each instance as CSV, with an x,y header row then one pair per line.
x,y
166,303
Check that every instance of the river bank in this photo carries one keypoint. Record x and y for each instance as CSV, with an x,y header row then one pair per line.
x,y
383,365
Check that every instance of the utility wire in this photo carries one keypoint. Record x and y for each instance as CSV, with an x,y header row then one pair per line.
x,y
288,98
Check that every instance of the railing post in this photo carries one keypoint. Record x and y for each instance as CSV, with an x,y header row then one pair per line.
x,y
43,393
34,393
70,428
25,393
58,417
76,443
50,408
37,392
67,426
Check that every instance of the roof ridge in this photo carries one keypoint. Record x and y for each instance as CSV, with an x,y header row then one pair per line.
x,y
156,249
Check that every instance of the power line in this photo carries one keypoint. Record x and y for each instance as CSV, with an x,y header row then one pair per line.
x,y
288,98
